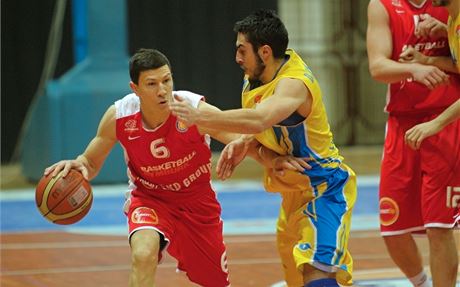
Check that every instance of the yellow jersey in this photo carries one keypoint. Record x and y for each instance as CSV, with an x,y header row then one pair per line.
x,y
309,137
453,31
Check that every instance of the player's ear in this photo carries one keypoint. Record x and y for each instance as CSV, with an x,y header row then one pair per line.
x,y
265,52
133,87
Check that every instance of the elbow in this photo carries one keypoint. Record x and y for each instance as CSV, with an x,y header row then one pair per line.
x,y
374,72
377,68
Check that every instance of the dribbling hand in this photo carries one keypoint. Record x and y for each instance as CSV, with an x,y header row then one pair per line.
x,y
66,166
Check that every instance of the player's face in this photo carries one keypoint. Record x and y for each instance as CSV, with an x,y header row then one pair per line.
x,y
438,3
249,61
155,87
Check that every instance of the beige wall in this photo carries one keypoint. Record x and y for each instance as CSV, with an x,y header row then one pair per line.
x,y
330,35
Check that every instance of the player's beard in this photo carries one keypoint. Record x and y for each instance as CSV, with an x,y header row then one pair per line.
x,y
260,68
438,3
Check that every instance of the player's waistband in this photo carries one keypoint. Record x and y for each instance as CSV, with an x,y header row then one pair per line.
x,y
177,197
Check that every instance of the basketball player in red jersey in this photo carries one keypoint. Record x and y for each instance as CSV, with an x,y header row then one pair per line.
x,y
417,187
171,204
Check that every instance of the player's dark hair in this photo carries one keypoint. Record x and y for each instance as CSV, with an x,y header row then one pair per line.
x,y
264,27
146,59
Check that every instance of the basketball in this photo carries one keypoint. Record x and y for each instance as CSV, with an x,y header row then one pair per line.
x,y
64,200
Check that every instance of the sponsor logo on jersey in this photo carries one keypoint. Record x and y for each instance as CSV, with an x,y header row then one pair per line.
x,y
131,126
144,215
257,99
181,127
389,211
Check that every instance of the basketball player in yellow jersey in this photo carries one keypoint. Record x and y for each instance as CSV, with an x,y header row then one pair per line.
x,y
283,108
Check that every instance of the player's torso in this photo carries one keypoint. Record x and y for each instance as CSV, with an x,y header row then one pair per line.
x,y
298,136
171,157
409,96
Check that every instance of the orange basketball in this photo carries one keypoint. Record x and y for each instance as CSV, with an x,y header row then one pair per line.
x,y
64,200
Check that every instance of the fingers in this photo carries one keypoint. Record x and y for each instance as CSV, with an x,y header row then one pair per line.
x,y
178,98
407,54
85,174
64,167
409,138
221,160
432,77
291,163
425,16
296,164
184,112
413,138
225,167
225,171
55,169
424,27
304,163
435,79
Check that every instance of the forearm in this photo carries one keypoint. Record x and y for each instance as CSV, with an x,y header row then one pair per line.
x,y
95,155
389,71
443,63
243,121
451,114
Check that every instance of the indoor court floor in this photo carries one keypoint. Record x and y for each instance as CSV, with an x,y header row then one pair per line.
x,y
95,251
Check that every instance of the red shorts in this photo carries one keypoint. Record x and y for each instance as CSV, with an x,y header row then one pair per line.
x,y
192,230
419,189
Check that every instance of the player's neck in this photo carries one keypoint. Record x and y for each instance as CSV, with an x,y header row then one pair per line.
x,y
271,70
417,3
153,120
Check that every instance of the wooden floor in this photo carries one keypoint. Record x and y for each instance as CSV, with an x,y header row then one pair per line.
x,y
74,260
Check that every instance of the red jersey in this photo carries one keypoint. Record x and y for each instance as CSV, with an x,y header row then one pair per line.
x,y
408,96
170,161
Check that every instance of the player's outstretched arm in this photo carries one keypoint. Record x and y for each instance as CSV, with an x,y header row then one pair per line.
x,y
90,162
290,94
415,136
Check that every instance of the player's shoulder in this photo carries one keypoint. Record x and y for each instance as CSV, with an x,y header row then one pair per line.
x,y
127,105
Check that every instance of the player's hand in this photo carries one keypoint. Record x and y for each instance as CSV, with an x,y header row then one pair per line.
x,y
230,157
429,27
430,76
184,111
65,166
411,55
288,162
415,136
